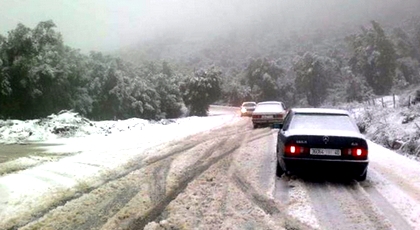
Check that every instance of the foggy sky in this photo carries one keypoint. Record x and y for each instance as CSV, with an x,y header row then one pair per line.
x,y
106,25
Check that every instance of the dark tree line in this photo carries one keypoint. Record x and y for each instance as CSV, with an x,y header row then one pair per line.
x,y
39,75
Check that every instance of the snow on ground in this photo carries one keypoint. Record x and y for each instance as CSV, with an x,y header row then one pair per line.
x,y
98,148
396,177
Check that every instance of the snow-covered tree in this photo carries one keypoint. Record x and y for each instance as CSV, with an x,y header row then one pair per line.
x,y
409,68
262,75
200,90
311,78
374,57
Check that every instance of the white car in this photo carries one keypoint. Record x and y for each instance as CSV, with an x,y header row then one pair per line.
x,y
247,108
270,113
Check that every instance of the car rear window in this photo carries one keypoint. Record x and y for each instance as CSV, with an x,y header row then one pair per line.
x,y
269,108
248,104
323,121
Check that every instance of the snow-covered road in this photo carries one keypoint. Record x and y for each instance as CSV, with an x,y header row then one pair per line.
x,y
207,173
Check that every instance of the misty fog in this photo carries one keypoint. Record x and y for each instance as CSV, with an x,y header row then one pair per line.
x,y
110,25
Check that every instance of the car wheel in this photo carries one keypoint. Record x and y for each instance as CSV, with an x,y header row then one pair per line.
x,y
255,126
362,177
279,170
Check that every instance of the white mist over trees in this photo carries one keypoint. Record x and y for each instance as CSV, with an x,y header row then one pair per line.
x,y
190,54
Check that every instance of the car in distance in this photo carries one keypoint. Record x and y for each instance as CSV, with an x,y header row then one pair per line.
x,y
269,113
321,140
247,108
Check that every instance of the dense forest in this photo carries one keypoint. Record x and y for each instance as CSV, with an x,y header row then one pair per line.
x,y
39,75
168,78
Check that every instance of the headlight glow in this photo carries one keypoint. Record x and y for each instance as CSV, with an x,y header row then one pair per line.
x,y
243,110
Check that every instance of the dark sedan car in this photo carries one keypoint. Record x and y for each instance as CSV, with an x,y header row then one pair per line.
x,y
321,141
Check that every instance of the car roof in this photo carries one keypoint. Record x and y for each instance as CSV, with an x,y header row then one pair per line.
x,y
269,102
320,111
246,102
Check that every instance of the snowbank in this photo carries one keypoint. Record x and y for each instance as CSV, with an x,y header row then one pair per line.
x,y
394,128
67,124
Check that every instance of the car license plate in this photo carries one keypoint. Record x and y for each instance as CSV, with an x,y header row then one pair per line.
x,y
325,152
267,116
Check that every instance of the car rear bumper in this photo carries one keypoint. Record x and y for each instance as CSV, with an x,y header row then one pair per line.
x,y
325,166
267,121
247,113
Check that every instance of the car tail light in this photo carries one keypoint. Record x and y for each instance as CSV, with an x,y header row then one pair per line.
x,y
294,150
256,116
278,116
357,152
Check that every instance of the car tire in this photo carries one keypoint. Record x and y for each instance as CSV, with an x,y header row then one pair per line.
x,y
255,126
362,177
279,170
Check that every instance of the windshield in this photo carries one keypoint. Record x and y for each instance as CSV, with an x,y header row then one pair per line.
x,y
269,108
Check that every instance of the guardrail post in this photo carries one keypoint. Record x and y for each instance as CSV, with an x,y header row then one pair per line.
x,y
393,99
409,101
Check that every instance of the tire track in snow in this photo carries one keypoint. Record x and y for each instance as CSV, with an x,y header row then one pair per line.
x,y
114,175
158,183
185,144
401,210
216,141
267,169
389,211
276,210
281,190
267,202
175,148
191,173
369,208
90,210
207,198
272,193
344,205
329,209
101,212
405,185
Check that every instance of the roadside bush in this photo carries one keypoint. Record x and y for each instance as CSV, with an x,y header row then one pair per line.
x,y
200,90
